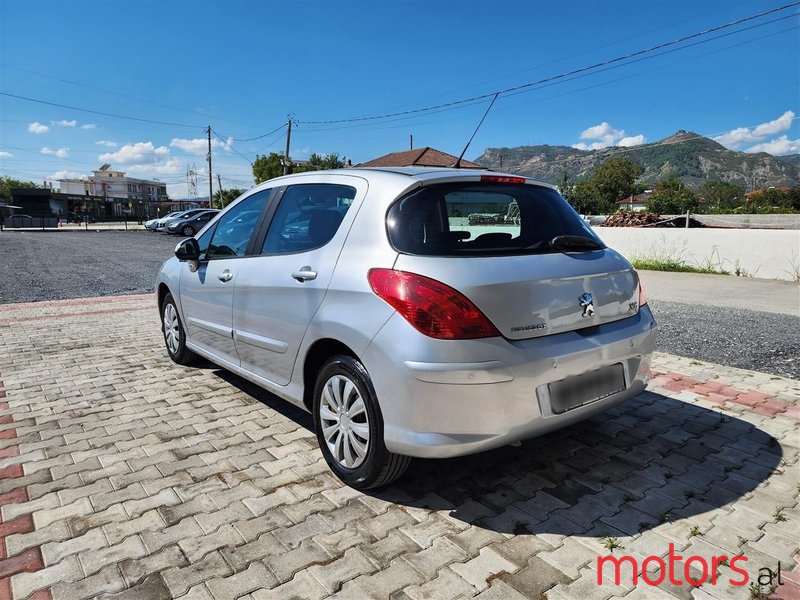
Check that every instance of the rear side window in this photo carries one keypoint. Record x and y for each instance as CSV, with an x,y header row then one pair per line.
x,y
307,217
482,220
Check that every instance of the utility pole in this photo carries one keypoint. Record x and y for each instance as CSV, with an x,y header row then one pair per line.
x,y
411,142
210,181
221,200
286,154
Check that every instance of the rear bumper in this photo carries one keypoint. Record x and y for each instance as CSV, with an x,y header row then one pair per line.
x,y
442,399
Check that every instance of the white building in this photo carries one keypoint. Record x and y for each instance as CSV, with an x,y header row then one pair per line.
x,y
123,195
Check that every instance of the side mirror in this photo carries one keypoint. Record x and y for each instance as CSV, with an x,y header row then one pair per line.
x,y
189,251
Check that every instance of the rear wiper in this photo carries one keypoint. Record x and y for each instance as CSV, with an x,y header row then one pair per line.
x,y
574,242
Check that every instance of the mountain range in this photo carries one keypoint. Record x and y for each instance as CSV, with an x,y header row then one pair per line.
x,y
686,155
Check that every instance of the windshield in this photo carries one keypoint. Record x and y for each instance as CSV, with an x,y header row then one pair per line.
x,y
487,220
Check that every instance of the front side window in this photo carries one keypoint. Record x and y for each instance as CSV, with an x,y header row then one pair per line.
x,y
235,228
307,217
470,219
203,241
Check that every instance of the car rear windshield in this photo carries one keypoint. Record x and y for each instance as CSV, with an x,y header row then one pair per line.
x,y
486,220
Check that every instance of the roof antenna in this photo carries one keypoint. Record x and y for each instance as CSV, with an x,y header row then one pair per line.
x,y
457,164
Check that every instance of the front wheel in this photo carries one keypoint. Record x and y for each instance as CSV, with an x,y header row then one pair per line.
x,y
174,333
349,426
188,231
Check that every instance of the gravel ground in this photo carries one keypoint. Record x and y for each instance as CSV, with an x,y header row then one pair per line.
x,y
75,264
747,339
59,265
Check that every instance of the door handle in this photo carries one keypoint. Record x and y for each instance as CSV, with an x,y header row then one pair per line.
x,y
225,276
304,274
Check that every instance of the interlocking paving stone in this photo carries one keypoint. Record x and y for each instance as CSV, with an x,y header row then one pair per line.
x,y
445,585
157,481
255,577
137,569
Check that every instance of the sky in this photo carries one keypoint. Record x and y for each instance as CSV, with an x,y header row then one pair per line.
x,y
139,81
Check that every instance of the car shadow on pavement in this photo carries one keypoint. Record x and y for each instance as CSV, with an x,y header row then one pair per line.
x,y
648,461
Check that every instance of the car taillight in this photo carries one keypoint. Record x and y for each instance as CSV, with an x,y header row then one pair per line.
x,y
433,308
642,295
501,179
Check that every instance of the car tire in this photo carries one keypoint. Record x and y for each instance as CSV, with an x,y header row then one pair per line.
x,y
349,426
188,231
174,333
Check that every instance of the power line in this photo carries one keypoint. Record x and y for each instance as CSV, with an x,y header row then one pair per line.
x,y
670,51
97,112
97,89
469,103
562,75
269,144
258,137
231,147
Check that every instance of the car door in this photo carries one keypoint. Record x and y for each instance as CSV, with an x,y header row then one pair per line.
x,y
278,292
207,293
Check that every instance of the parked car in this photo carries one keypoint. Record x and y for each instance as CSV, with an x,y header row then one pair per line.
x,y
190,224
362,297
184,214
154,224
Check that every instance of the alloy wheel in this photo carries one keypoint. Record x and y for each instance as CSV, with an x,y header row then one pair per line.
x,y
172,332
343,417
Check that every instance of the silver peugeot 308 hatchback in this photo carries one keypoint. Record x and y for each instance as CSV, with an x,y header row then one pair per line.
x,y
415,312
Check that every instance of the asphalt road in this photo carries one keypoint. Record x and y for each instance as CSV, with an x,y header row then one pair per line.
x,y
746,323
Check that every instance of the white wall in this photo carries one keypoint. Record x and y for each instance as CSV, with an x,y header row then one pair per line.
x,y
770,254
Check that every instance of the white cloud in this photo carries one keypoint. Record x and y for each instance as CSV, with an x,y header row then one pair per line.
x,y
171,166
64,123
38,128
604,135
88,126
6,155
60,153
592,146
778,146
603,132
106,143
139,153
66,175
197,146
632,140
736,138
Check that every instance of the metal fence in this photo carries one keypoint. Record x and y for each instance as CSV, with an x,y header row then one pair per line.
x,y
51,221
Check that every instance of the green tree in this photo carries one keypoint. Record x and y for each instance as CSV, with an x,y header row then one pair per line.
x,y
793,198
773,200
226,197
583,197
319,162
268,167
614,180
671,197
721,195
610,182
7,183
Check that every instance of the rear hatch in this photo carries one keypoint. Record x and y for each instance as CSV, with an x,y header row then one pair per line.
x,y
518,251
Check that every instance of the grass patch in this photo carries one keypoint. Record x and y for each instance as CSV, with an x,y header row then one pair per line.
x,y
651,264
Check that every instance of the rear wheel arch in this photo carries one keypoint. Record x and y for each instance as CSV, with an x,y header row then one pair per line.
x,y
162,291
319,352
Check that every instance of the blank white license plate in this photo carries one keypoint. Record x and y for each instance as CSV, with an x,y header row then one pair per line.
x,y
578,390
